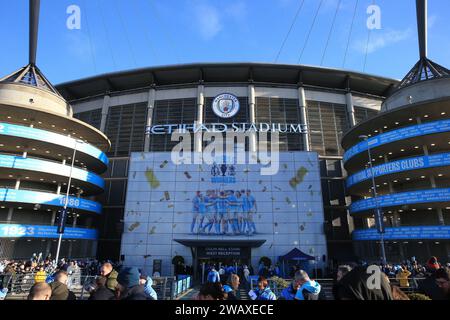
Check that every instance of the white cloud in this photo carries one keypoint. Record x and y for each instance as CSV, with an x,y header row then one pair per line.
x,y
208,20
432,21
237,10
382,39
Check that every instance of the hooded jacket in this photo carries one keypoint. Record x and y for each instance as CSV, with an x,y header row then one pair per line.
x,y
353,286
265,294
61,292
310,290
288,293
148,289
111,283
135,293
102,293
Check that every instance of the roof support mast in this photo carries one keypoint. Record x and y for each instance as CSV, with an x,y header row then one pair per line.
x,y
34,27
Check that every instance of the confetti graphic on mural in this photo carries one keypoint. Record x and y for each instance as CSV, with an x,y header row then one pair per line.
x,y
151,178
167,195
162,165
187,174
153,230
133,226
298,179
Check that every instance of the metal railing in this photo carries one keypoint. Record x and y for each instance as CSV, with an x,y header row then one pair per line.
x,y
327,285
167,288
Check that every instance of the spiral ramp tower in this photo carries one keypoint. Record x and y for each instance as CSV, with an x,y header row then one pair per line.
x,y
39,138
409,142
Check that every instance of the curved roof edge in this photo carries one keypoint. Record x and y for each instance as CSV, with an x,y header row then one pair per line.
x,y
284,74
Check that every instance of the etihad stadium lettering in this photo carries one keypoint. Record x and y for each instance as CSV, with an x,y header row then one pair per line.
x,y
220,128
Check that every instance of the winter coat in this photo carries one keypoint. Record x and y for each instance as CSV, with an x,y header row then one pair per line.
x,y
310,290
135,293
148,289
402,277
265,294
40,276
102,293
111,283
61,292
288,293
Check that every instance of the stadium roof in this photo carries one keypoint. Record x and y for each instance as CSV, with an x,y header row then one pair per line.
x,y
224,73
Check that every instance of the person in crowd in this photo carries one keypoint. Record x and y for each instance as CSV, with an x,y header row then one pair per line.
x,y
40,291
213,275
290,292
433,265
211,291
397,293
354,286
60,291
341,272
231,289
40,276
147,282
128,286
402,276
246,273
101,292
443,281
263,292
108,271
429,285
308,289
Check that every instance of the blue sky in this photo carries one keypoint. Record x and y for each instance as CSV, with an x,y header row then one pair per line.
x,y
126,34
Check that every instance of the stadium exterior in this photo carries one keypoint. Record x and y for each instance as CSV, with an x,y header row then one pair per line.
x,y
123,105
38,137
409,142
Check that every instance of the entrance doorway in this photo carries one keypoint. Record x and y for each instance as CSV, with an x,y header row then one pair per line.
x,y
224,266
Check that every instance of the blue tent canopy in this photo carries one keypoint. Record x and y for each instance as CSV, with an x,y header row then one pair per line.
x,y
296,254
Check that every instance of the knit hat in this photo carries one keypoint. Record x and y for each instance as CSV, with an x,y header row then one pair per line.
x,y
128,277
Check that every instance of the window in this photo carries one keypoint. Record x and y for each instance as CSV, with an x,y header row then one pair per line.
x,y
362,114
125,127
93,117
327,123
284,111
175,111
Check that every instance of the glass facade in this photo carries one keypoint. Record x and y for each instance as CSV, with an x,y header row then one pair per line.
x,y
173,111
327,123
92,117
125,127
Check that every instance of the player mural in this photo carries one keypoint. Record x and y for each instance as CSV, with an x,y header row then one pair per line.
x,y
226,212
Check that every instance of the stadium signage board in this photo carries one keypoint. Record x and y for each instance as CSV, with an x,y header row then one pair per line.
x,y
223,128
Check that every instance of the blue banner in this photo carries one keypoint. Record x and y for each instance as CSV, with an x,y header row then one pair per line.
x,y
51,137
12,162
438,160
31,231
49,199
397,135
405,233
399,199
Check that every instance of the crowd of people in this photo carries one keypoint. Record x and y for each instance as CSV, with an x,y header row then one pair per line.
x,y
109,284
53,281
351,282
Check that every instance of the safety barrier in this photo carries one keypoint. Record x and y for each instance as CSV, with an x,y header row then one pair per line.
x,y
167,288
327,285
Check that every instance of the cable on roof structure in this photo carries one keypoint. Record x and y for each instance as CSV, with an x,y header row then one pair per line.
x,y
310,31
331,32
290,29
